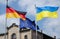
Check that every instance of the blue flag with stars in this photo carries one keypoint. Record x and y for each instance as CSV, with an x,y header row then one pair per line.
x,y
27,24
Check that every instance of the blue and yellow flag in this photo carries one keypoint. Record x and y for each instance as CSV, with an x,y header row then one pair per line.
x,y
47,11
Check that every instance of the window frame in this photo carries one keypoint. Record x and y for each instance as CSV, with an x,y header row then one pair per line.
x,y
13,36
25,37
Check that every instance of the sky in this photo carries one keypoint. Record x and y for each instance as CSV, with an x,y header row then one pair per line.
x,y
49,26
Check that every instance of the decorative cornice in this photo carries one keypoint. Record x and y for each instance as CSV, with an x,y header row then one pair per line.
x,y
13,25
2,34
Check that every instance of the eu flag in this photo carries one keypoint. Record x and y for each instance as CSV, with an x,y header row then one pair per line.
x,y
27,24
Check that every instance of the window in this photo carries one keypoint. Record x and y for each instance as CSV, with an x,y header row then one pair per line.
x,y
13,36
25,37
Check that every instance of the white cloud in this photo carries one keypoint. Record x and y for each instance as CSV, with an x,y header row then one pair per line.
x,y
53,2
48,3
10,1
2,23
40,3
24,4
3,1
10,21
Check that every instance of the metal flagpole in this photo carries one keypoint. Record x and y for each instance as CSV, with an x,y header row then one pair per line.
x,y
19,29
36,24
36,30
5,26
6,21
5,29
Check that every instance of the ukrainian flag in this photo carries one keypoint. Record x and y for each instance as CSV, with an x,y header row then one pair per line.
x,y
47,11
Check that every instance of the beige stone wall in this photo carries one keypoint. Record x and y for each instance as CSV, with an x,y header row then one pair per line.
x,y
3,36
28,33
14,30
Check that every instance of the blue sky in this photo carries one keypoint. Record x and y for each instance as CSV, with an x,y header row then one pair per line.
x,y
49,26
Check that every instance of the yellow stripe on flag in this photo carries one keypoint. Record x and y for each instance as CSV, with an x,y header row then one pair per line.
x,y
16,15
41,15
54,15
12,15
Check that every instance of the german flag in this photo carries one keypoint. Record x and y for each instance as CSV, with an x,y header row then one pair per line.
x,y
22,15
12,13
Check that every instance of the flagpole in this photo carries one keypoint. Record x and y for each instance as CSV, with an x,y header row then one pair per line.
x,y
6,37
19,27
36,24
36,30
5,28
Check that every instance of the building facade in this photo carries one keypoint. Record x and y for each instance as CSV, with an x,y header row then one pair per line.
x,y
14,32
